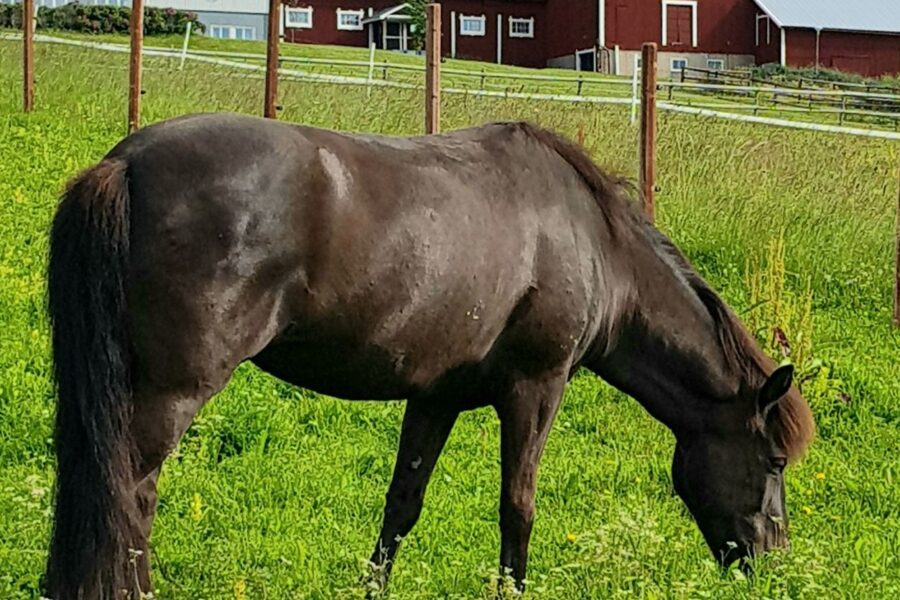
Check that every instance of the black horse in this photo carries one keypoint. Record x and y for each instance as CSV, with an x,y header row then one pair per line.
x,y
483,267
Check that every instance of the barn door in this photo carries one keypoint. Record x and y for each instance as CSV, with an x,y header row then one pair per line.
x,y
679,20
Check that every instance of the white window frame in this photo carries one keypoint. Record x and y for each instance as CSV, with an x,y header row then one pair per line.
x,y
718,61
290,10
513,21
764,17
692,4
480,19
578,54
673,69
231,31
359,14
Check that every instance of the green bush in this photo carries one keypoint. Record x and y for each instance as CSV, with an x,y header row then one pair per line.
x,y
10,15
102,19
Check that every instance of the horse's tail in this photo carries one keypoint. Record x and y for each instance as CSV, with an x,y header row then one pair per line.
x,y
89,552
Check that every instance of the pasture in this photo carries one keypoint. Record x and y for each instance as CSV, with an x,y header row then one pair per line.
x,y
277,493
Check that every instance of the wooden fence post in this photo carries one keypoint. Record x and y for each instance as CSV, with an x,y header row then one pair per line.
x,y
134,76
270,109
433,69
897,270
648,129
28,54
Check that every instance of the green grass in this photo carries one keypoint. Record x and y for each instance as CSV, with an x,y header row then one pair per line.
x,y
408,69
277,492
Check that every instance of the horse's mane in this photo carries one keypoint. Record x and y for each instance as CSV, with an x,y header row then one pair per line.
x,y
611,192
792,426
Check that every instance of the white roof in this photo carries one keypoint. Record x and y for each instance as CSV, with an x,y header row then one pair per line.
x,y
878,16
392,13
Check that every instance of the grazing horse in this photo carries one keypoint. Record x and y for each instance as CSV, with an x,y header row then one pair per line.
x,y
478,268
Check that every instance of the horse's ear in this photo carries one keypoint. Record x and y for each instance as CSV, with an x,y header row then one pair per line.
x,y
775,388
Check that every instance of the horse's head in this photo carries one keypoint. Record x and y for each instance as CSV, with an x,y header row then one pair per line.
x,y
729,467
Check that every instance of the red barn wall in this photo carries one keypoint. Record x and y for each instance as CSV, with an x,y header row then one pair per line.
x,y
723,26
769,48
529,52
324,29
572,26
871,55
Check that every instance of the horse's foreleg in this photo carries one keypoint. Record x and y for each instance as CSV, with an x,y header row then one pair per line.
x,y
526,413
423,434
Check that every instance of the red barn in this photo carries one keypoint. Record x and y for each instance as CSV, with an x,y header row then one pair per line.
x,y
862,36
606,35
712,34
503,31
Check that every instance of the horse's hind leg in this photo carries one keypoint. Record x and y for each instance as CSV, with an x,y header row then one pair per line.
x,y
158,423
426,425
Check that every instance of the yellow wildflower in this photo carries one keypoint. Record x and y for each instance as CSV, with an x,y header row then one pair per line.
x,y
196,508
571,537
240,589
820,476
807,510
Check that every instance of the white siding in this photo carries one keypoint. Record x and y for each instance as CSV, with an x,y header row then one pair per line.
x,y
258,7
219,6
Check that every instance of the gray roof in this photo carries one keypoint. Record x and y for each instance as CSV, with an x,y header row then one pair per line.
x,y
881,16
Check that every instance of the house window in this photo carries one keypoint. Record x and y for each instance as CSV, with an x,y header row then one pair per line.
x,y
471,25
349,20
231,32
677,65
715,64
300,18
521,28
679,23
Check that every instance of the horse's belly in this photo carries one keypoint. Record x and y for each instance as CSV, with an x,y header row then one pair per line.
x,y
349,365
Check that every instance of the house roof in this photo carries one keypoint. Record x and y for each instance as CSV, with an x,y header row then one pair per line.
x,y
392,13
876,16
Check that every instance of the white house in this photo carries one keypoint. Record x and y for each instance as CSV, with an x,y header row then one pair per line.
x,y
231,19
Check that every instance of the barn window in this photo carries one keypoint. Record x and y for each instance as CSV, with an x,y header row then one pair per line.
x,y
300,18
679,23
715,64
471,25
521,28
677,65
349,20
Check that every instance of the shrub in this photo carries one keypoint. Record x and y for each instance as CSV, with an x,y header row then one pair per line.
x,y
102,19
10,15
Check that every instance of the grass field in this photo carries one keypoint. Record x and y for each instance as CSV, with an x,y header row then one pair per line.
x,y
277,492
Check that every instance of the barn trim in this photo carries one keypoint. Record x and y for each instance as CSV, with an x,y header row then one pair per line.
x,y
692,4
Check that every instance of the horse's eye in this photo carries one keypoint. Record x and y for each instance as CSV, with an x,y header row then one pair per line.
x,y
778,463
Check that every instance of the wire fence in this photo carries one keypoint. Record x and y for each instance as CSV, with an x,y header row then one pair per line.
x,y
767,105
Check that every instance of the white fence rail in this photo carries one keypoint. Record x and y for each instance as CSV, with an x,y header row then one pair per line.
x,y
235,60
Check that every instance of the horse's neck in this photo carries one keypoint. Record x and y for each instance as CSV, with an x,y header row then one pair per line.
x,y
666,351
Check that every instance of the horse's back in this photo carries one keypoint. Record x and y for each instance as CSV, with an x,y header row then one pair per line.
x,y
361,266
